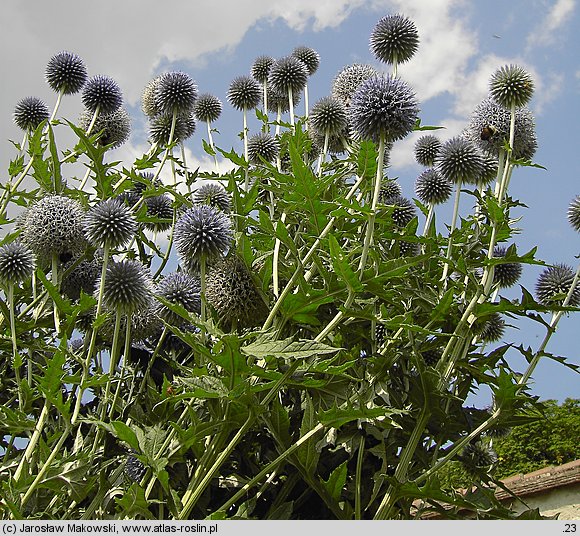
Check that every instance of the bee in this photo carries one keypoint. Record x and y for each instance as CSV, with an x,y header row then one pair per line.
x,y
488,132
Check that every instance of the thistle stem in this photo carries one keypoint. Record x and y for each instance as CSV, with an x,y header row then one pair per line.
x,y
16,360
291,105
54,273
451,229
276,260
211,144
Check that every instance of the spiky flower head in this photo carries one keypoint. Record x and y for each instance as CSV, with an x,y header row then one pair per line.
x,y
145,324
336,140
66,72
511,85
110,223
102,92
128,286
574,213
182,289
135,469
492,329
459,161
383,107
148,102
489,168
83,277
53,226
426,150
278,100
214,195
244,93
403,212
16,263
349,79
432,188
431,356
202,232
328,115
115,127
477,457
261,68
231,291
507,274
390,189
407,249
394,39
159,207
262,145
207,108
288,73
553,285
160,128
489,129
175,93
308,57
29,112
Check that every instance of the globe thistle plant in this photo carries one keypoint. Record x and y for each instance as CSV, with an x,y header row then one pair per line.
x,y
29,113
477,457
574,213
128,287
102,95
390,189
403,212
263,146
394,39
244,93
182,289
115,127
160,128
175,93
214,195
427,149
432,188
511,86
149,104
492,329
80,277
288,75
309,57
159,207
110,224
207,108
17,263
507,274
261,68
555,283
66,73
459,161
349,79
135,469
328,118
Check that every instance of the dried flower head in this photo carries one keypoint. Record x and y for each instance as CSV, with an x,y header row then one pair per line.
x,y
29,112
182,289
66,72
288,73
115,127
202,232
16,263
574,213
244,93
459,160
214,195
110,223
128,286
507,274
349,79
328,115
394,39
207,108
102,92
261,68
426,150
511,85
308,57
262,145
383,107
553,285
175,93
432,188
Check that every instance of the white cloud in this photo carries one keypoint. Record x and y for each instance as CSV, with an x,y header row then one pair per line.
x,y
546,32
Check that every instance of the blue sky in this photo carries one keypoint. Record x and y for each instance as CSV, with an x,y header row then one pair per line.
x,y
461,44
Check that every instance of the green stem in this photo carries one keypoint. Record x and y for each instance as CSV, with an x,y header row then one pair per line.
x,y
211,144
451,229
291,105
123,365
276,259
54,272
358,483
33,440
93,120
16,360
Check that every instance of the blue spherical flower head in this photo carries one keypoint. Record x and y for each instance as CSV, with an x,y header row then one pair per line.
x,y
244,92
115,127
202,232
574,213
511,85
383,107
128,287
110,223
213,194
460,161
176,92
66,72
29,113
207,108
263,145
287,74
426,150
349,79
394,39
160,128
309,57
432,188
179,288
16,263
102,92
261,68
554,283
328,115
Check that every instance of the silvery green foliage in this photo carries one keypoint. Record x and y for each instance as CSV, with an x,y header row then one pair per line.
x,y
261,68
262,145
29,112
207,108
115,127
349,79
309,57
175,92
328,115
102,92
427,148
54,226
288,73
160,128
554,283
66,72
511,85
432,188
394,39
214,195
507,274
16,263
244,93
179,288
383,107
110,223
459,161
489,129
574,213
128,286
202,232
